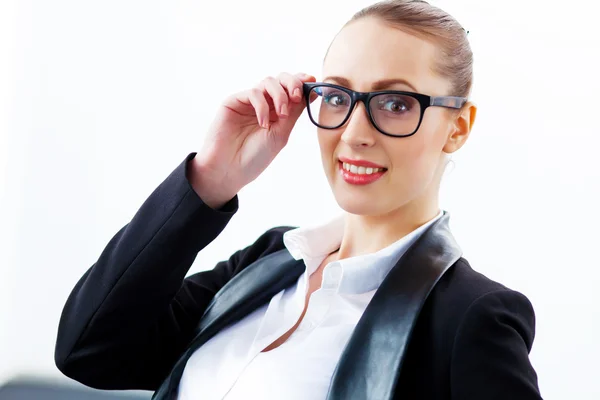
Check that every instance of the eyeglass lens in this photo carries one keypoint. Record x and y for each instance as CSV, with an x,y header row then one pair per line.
x,y
394,114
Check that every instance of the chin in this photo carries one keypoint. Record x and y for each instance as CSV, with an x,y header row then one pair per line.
x,y
357,205
356,200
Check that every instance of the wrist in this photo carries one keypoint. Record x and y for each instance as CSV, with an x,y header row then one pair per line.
x,y
207,185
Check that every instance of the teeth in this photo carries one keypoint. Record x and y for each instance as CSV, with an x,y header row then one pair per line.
x,y
360,170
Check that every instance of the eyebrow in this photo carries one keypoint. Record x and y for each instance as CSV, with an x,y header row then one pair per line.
x,y
377,85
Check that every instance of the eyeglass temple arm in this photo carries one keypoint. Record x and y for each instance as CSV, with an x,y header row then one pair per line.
x,y
448,101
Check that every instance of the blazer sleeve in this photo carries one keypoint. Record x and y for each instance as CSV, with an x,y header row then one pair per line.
x,y
490,358
133,312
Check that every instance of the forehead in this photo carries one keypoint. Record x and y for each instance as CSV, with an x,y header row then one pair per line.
x,y
367,51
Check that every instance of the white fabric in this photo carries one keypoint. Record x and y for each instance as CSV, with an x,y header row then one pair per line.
x,y
231,365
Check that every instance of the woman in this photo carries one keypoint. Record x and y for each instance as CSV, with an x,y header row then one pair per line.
x,y
337,311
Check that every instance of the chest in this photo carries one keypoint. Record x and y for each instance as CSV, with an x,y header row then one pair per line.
x,y
314,283
234,360
314,322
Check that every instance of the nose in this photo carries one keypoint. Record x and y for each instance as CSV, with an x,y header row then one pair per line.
x,y
358,131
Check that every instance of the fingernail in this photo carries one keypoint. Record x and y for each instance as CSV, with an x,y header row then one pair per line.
x,y
296,92
284,109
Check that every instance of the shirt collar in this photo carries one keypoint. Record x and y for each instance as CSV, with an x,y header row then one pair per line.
x,y
358,274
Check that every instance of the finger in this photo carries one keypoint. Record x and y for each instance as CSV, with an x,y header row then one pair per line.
x,y
293,85
306,77
278,95
256,97
296,109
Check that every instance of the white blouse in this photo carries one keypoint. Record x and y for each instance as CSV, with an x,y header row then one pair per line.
x,y
231,365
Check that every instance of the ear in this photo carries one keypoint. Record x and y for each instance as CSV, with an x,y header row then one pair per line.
x,y
461,128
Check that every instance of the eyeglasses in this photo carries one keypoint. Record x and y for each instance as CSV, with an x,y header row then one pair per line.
x,y
392,112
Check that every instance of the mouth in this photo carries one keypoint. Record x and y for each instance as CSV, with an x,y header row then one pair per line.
x,y
360,163
360,174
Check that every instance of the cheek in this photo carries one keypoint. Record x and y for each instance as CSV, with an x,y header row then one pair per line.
x,y
415,157
408,153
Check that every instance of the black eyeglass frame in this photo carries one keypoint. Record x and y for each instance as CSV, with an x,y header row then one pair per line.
x,y
454,102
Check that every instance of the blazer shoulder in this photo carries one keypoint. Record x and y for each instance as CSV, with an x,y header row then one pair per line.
x,y
484,296
498,324
463,281
461,287
464,297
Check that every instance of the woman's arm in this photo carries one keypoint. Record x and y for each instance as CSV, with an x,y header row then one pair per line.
x,y
490,359
132,313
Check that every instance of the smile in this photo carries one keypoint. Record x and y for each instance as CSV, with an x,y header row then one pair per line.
x,y
359,175
360,170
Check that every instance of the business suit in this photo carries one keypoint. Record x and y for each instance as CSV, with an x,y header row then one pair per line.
x,y
132,316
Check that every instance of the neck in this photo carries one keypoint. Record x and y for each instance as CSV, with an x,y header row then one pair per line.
x,y
364,234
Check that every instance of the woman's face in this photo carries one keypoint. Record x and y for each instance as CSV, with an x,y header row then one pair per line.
x,y
368,55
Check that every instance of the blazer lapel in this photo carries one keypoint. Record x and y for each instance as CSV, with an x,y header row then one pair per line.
x,y
370,364
371,361
248,290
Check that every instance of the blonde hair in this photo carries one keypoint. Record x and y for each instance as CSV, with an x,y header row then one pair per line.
x,y
421,19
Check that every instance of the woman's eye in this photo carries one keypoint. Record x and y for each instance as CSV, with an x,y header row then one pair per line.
x,y
395,106
335,100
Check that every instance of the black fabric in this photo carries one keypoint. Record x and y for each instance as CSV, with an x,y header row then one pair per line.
x,y
373,359
133,314
32,389
252,288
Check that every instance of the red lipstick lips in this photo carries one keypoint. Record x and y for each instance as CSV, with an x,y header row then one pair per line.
x,y
360,172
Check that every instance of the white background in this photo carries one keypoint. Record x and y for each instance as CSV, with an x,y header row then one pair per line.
x,y
99,101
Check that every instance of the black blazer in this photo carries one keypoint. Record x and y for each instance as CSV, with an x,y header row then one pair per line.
x,y
133,318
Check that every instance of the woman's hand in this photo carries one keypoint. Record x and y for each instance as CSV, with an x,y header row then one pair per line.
x,y
249,130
